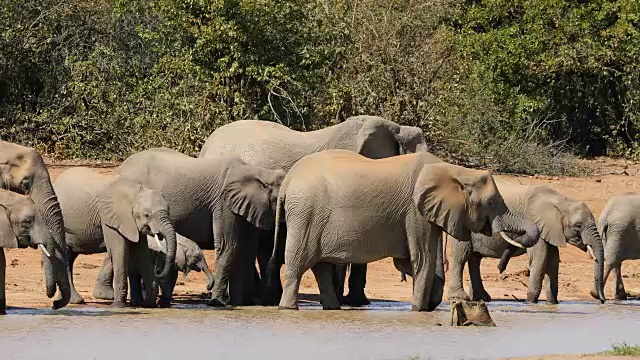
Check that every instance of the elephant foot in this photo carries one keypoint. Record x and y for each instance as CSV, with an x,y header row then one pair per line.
x,y
149,305
553,302
481,295
594,294
118,304
57,304
355,299
3,307
271,297
621,295
164,303
417,308
102,292
287,307
532,298
458,294
75,299
215,302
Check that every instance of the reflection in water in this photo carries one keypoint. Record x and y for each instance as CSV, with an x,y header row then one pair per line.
x,y
384,330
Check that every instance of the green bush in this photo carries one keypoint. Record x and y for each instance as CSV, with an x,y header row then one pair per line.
x,y
515,86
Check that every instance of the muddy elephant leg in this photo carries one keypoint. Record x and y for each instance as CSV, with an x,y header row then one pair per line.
x,y
166,288
141,261
339,274
242,280
290,292
104,284
76,298
551,271
357,283
118,248
424,258
621,293
226,236
537,266
3,269
460,255
323,273
477,291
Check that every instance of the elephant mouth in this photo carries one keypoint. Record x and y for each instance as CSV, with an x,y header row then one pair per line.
x,y
24,241
486,228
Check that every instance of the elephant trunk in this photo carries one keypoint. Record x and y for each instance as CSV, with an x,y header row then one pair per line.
x,y
591,238
53,262
169,234
55,265
528,232
210,279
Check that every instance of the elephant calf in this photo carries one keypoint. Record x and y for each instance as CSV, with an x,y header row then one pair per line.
x,y
619,225
189,257
341,207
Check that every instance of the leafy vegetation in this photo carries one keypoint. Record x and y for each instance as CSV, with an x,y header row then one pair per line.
x,y
624,350
515,86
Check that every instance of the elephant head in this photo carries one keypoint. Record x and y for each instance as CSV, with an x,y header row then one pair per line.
x,y
462,201
22,170
563,220
21,226
132,209
380,138
252,192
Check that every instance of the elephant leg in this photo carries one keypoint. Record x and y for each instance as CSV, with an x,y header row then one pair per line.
x,y
424,256
104,284
551,271
166,287
476,287
135,288
460,255
357,282
621,293
118,248
290,292
142,260
3,269
323,273
75,297
537,266
265,249
226,236
243,284
339,274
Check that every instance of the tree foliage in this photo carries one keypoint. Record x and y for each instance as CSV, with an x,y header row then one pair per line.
x,y
512,85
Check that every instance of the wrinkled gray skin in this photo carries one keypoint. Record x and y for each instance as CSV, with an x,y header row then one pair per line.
x,y
189,257
560,220
464,313
214,198
274,146
619,226
340,207
115,214
22,170
20,226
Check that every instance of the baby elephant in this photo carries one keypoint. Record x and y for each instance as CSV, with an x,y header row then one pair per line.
x,y
619,226
470,313
189,257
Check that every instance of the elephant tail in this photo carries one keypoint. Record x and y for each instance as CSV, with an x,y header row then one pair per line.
x,y
274,286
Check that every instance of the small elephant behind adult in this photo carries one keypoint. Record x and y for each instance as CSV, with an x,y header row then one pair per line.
x,y
561,220
466,313
341,207
116,214
189,257
21,226
619,225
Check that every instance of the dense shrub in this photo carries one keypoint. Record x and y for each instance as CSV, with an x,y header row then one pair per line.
x,y
516,86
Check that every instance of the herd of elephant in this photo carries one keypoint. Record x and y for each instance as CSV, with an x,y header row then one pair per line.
x,y
326,200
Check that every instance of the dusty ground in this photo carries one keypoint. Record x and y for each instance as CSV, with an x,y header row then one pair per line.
x,y
25,286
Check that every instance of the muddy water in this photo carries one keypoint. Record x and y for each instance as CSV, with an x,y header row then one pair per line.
x,y
384,330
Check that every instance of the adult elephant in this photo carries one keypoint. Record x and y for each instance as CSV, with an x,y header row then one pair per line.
x,y
275,146
219,203
561,220
619,226
341,207
115,214
22,170
21,226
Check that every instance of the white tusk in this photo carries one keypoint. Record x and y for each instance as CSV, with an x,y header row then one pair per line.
x,y
590,251
510,240
158,241
44,250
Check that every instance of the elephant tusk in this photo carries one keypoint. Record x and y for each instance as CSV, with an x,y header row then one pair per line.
x,y
510,240
158,241
44,250
591,254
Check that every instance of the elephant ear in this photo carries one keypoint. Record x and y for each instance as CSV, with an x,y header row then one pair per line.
x,y
7,236
248,196
548,218
116,211
377,138
441,198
